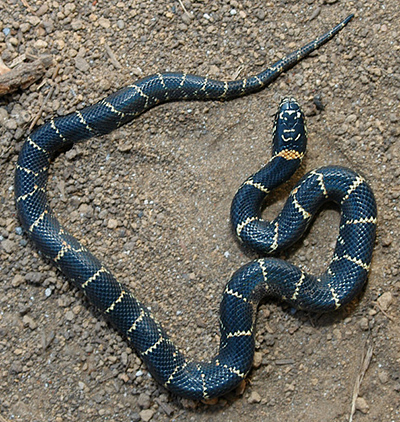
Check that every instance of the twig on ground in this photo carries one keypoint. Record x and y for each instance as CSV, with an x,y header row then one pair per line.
x,y
365,361
316,13
24,75
112,57
183,7
384,312
26,4
238,71
49,94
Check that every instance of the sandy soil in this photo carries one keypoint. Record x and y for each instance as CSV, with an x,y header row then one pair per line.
x,y
152,200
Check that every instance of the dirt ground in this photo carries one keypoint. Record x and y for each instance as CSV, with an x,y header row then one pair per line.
x,y
152,201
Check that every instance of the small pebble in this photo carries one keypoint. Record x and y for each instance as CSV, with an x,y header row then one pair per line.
x,y
112,223
11,124
146,415
144,401
29,322
362,405
257,360
34,277
17,280
135,417
385,300
3,116
105,23
33,19
383,376
364,324
81,64
41,44
69,316
124,377
186,17
43,9
254,397
77,24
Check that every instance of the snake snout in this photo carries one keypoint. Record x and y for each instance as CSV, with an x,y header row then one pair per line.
x,y
289,102
290,111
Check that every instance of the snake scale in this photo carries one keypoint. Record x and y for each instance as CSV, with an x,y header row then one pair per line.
x,y
269,277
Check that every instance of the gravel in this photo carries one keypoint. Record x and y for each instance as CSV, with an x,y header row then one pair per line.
x,y
152,201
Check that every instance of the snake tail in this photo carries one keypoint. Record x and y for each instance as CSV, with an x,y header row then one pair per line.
x,y
128,103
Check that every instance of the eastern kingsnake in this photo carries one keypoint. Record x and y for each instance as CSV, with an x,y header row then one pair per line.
x,y
264,277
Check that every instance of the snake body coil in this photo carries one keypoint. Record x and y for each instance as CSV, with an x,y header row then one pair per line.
x,y
272,277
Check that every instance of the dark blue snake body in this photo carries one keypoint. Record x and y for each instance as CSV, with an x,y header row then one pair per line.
x,y
264,277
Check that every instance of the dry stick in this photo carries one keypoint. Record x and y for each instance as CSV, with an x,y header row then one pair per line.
x,y
112,57
26,4
183,7
365,361
18,60
315,14
49,94
24,75
105,378
238,71
39,113
384,312
164,406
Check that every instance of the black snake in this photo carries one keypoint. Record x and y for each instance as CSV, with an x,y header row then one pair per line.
x,y
264,277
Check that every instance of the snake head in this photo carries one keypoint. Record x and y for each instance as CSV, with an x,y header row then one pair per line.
x,y
290,132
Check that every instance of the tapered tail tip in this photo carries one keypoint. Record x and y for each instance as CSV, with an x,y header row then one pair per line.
x,y
348,19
